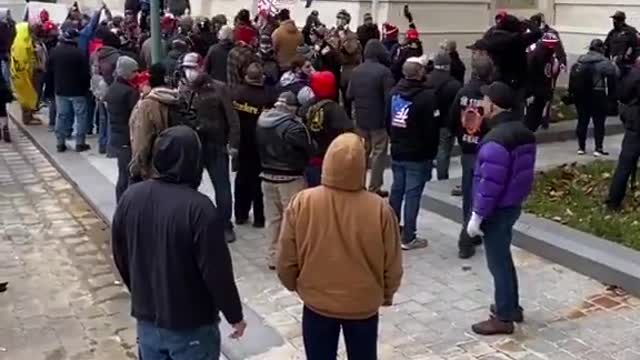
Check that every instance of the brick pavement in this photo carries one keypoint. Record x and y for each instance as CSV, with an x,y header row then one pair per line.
x,y
63,300
64,304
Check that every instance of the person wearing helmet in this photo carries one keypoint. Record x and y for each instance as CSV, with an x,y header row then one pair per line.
x,y
218,126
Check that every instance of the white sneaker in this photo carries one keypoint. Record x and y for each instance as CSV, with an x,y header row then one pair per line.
x,y
581,152
599,153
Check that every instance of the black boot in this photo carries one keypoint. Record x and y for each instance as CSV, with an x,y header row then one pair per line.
x,y
6,135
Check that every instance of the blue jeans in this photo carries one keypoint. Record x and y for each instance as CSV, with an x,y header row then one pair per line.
x,y
409,179
216,161
102,119
52,113
313,175
68,108
443,159
91,108
498,232
321,334
162,344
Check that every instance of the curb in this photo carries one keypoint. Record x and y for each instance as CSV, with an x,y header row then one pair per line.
x,y
600,259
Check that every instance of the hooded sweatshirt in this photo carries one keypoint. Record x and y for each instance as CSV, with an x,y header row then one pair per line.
x,y
149,117
168,242
370,84
413,129
346,263
286,39
603,69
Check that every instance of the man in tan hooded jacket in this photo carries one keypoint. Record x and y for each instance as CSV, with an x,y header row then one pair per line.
x,y
286,39
339,249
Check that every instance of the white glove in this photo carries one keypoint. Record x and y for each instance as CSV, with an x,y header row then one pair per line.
x,y
473,227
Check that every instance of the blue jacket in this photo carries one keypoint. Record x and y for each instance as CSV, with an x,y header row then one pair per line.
x,y
86,33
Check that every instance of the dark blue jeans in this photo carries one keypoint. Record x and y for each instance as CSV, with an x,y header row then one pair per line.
x,y
409,179
468,167
216,161
443,159
123,154
102,119
52,113
162,344
320,335
498,233
91,109
70,108
313,175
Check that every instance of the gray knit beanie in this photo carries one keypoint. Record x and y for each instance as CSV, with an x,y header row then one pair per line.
x,y
125,67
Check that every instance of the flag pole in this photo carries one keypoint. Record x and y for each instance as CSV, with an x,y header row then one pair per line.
x,y
156,45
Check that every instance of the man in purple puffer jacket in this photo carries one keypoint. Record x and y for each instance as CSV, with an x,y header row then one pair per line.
x,y
503,179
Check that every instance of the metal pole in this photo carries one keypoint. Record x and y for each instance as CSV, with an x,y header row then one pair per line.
x,y
156,45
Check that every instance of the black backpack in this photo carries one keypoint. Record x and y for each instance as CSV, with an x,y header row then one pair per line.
x,y
182,113
581,79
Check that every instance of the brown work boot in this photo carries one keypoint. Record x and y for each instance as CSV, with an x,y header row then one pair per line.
x,y
493,326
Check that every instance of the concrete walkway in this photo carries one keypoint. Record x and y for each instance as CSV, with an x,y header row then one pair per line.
x,y
569,316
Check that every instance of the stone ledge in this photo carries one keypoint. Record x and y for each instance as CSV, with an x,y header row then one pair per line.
x,y
592,256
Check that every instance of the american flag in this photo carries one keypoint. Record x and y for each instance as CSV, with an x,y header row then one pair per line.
x,y
267,6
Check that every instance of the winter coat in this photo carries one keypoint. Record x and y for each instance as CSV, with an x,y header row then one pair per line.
x,y
366,33
298,86
350,57
541,76
249,102
369,88
561,54
508,50
121,99
165,224
215,63
87,32
284,143
445,88
328,59
504,170
216,120
412,127
412,48
605,72
271,68
620,42
148,119
629,97
286,39
457,67
316,253
465,118
239,59
7,34
203,41
171,62
331,120
390,44
70,68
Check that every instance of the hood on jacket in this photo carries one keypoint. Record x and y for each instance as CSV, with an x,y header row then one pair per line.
x,y
164,95
409,88
176,156
374,50
592,57
274,117
345,165
289,26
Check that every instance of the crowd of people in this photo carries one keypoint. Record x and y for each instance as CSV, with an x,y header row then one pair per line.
x,y
300,115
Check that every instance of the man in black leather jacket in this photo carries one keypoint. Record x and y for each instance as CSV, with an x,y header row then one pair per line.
x,y
285,145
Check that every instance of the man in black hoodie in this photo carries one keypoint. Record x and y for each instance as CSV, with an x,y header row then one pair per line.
x,y
507,45
215,63
169,248
370,84
466,123
446,87
414,144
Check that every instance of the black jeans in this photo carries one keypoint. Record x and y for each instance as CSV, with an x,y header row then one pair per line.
x,y
320,335
627,164
248,189
595,108
216,162
123,155
535,113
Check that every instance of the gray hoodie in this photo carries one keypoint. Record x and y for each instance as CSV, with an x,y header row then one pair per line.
x,y
604,69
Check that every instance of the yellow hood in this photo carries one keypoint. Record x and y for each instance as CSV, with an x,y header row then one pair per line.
x,y
344,166
22,65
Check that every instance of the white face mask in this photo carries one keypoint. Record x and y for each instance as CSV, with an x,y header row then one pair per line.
x,y
191,74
